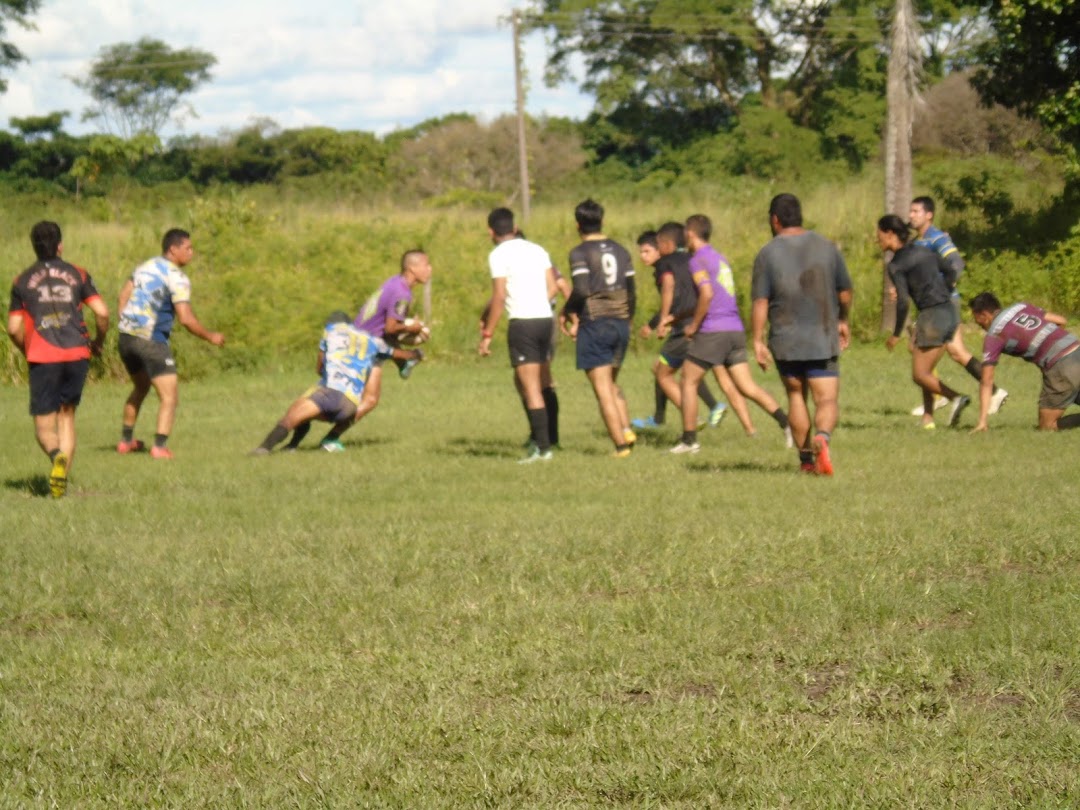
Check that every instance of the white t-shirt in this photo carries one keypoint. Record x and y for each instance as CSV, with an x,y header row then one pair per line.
x,y
524,265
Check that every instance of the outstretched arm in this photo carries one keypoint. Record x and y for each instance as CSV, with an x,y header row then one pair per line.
x,y
186,315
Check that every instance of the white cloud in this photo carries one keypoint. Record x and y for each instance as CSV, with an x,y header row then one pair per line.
x,y
370,65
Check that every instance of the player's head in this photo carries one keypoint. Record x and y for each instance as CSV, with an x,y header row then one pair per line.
x,y
590,217
700,226
338,316
921,213
647,248
45,237
415,263
890,226
176,246
501,222
984,307
785,211
670,237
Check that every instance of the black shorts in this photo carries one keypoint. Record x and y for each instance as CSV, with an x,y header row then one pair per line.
x,y
529,340
602,343
808,369
334,406
140,354
936,326
673,352
709,349
56,384
1061,383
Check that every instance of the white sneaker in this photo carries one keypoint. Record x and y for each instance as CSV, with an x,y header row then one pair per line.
x,y
683,447
958,406
997,400
939,403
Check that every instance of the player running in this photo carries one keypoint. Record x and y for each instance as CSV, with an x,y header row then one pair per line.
x,y
45,323
918,273
717,341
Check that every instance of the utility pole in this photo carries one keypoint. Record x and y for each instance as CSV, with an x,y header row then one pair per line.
x,y
905,60
519,89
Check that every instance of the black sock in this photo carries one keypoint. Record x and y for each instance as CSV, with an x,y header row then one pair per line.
x,y
689,436
806,457
705,394
333,435
551,405
538,420
780,417
53,454
275,436
298,435
127,433
660,409
160,439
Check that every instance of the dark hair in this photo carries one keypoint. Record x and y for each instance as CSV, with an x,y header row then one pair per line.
x,y
173,237
408,255
647,238
985,302
673,231
926,202
45,237
787,210
590,217
338,316
700,225
501,221
891,223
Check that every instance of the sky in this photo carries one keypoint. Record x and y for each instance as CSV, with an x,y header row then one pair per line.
x,y
370,65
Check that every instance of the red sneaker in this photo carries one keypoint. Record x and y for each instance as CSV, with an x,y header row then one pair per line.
x,y
808,468
161,452
134,446
822,461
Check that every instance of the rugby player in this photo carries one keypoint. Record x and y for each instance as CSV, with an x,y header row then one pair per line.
x,y
597,315
802,290
920,274
45,323
157,294
1029,332
717,340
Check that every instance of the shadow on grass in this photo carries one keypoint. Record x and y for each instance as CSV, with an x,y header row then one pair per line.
x,y
743,466
34,485
480,448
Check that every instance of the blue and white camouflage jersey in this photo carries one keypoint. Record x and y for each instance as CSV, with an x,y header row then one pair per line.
x,y
349,354
151,310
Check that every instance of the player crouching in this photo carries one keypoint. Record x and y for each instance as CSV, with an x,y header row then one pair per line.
x,y
346,358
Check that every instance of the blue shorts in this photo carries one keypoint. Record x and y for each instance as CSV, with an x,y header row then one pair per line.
x,y
602,343
808,369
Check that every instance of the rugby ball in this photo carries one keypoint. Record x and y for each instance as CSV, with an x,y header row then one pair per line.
x,y
414,338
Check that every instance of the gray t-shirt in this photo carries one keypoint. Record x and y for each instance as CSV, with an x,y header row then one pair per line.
x,y
801,275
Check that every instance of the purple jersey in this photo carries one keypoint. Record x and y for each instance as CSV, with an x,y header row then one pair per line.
x,y
391,300
1023,331
707,265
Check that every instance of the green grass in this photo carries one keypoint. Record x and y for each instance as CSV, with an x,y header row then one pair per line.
x,y
420,622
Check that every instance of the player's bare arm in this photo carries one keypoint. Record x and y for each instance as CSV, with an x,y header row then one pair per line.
x,y
186,315
494,312
17,332
705,295
844,299
986,392
759,314
101,321
125,294
667,296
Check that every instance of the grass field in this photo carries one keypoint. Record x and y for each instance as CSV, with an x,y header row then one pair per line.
x,y
420,622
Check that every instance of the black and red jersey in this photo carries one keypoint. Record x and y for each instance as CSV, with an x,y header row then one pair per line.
x,y
50,295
